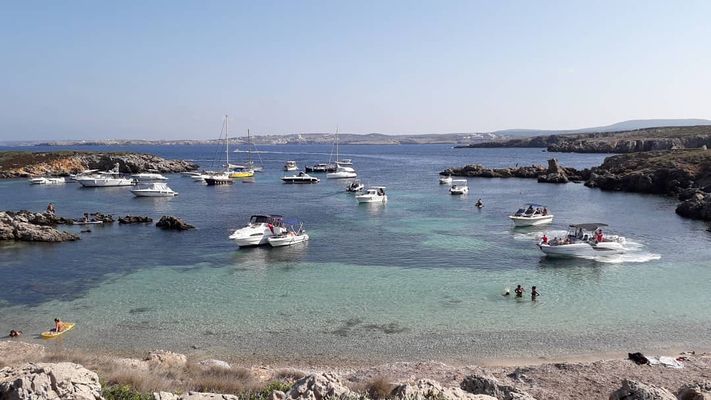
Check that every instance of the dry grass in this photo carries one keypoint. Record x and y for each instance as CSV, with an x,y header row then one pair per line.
x,y
378,388
288,374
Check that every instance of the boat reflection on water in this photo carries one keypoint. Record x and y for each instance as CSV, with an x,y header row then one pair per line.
x,y
263,257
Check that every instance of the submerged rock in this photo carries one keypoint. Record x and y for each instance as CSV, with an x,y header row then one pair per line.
x,y
134,219
633,390
49,381
173,223
319,387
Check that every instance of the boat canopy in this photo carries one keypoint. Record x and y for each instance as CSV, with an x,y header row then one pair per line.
x,y
590,226
459,181
266,219
534,205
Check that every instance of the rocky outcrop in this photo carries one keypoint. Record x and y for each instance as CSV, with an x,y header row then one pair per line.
x,y
173,223
134,219
633,390
166,359
490,386
697,206
695,391
425,389
31,227
319,387
193,396
23,164
49,381
554,173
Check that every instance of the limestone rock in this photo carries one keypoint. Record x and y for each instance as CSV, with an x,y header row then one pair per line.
x,y
216,364
319,387
488,385
695,391
173,223
31,227
165,358
49,381
633,390
134,219
429,389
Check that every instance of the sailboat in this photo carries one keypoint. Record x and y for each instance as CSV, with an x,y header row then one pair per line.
x,y
344,168
250,163
222,178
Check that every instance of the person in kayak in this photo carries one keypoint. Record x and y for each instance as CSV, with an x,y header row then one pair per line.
x,y
58,326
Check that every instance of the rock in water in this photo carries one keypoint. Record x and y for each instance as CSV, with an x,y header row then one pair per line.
x,y
49,381
31,227
490,386
319,387
173,223
428,389
134,219
633,390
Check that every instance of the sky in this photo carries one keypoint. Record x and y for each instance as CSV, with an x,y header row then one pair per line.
x,y
172,69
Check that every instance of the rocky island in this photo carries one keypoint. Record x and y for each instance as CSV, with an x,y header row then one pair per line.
x,y
22,164
631,141
685,174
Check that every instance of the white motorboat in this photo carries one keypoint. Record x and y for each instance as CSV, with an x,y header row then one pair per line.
x,y
321,167
291,236
342,173
532,215
218,178
459,186
346,162
290,166
87,172
445,180
149,177
301,177
110,178
355,186
48,181
258,231
155,189
583,241
375,194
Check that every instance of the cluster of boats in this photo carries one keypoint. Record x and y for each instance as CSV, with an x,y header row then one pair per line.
x,y
270,229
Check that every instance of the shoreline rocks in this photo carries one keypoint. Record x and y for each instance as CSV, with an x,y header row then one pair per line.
x,y
49,381
26,226
134,219
17,164
553,173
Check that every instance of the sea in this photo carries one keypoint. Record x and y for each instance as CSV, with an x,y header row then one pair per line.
x,y
419,278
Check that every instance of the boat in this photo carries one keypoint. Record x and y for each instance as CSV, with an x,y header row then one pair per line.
x,y
149,177
375,194
291,236
532,214
583,241
445,180
155,189
290,166
86,172
251,165
258,231
47,181
343,171
459,186
355,186
346,162
223,177
321,167
51,334
301,177
237,172
110,178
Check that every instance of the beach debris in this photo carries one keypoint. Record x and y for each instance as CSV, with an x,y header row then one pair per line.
x,y
193,396
669,362
633,390
173,223
638,358
425,389
488,385
164,358
695,391
49,381
319,387
134,219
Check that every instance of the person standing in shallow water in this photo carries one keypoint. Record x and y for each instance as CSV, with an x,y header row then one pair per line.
x,y
519,291
534,293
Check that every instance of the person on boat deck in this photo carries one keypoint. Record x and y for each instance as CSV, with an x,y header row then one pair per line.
x,y
529,210
519,291
58,326
545,211
50,208
534,293
544,239
14,333
86,217
380,192
599,237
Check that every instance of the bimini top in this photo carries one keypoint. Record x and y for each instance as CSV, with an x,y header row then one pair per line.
x,y
459,181
590,226
269,219
534,205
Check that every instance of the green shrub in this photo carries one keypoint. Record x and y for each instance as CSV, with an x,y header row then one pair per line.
x,y
124,392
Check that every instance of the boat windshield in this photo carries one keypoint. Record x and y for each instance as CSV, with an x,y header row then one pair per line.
x,y
266,219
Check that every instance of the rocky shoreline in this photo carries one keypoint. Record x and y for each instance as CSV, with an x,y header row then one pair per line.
x,y
685,174
633,141
31,371
19,164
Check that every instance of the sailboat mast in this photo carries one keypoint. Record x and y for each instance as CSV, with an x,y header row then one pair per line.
x,y
227,140
336,145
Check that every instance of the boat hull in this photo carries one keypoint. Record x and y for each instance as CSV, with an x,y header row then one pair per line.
x,y
457,192
145,193
341,175
113,182
300,181
371,199
218,181
289,240
531,221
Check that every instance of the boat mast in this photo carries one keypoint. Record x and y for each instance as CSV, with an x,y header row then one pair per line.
x,y
336,145
227,140
249,148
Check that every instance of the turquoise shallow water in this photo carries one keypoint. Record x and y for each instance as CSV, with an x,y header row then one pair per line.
x,y
417,279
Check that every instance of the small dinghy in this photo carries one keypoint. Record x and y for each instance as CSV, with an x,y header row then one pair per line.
x,y
293,234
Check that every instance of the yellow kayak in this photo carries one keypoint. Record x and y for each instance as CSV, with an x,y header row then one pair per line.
x,y
67,327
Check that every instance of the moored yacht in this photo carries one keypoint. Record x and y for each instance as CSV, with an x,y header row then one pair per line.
x,y
106,179
155,189
48,180
149,177
459,186
258,231
218,178
445,180
375,194
290,166
583,241
342,173
301,177
355,186
532,215
321,167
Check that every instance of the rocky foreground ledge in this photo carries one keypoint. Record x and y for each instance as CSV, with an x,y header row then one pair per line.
x,y
685,174
20,164
32,372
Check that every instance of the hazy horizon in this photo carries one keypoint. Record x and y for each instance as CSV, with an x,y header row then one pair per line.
x,y
172,69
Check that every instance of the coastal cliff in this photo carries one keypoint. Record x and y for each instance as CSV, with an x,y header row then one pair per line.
x,y
649,139
685,174
19,164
